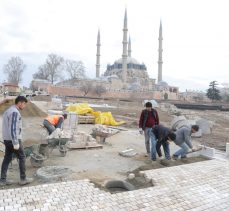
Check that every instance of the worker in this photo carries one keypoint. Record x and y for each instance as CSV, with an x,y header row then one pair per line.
x,y
161,136
54,121
183,140
149,117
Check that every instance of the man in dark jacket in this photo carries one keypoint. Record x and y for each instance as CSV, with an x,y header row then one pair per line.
x,y
148,119
161,135
183,140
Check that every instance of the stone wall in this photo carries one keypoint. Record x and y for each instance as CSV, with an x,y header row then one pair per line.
x,y
73,91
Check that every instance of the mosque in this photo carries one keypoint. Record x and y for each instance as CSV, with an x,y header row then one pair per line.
x,y
126,74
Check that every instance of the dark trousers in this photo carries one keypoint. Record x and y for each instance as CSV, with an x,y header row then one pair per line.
x,y
165,145
51,127
9,150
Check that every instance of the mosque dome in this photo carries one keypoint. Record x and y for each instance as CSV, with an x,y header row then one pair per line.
x,y
130,60
132,64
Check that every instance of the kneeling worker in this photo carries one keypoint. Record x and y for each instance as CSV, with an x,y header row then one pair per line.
x,y
183,140
54,121
160,135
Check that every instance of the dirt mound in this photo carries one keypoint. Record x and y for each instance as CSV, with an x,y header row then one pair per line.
x,y
31,109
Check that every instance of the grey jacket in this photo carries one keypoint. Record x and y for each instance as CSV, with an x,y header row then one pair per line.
x,y
12,125
183,135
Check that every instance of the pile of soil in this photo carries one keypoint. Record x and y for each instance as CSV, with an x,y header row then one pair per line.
x,y
31,109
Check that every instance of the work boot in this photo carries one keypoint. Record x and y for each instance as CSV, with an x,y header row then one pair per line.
x,y
175,157
147,154
183,157
26,181
6,182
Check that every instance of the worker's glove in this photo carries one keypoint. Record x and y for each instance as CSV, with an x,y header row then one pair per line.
x,y
16,147
193,149
140,131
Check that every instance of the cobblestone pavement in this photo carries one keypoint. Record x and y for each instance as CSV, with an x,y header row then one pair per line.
x,y
196,186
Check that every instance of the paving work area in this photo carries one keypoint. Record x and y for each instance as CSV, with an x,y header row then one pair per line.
x,y
105,164
198,186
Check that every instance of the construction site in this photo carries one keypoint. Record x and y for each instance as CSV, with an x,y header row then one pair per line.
x,y
98,160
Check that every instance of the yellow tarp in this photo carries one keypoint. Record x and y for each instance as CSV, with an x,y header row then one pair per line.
x,y
103,118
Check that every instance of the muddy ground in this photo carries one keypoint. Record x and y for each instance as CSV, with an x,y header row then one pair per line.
x,y
101,165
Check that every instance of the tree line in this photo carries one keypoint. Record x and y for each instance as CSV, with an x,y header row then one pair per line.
x,y
51,70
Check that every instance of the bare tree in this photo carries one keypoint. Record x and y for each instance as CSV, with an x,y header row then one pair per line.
x,y
51,69
14,69
99,90
54,66
43,73
86,88
75,69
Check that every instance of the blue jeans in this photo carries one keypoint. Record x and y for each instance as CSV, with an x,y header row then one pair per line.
x,y
183,151
153,142
147,138
51,127
165,145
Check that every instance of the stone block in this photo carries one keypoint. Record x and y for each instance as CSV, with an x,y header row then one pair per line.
x,y
208,152
205,126
128,153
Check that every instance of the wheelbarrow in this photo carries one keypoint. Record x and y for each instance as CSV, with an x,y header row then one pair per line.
x,y
60,143
36,159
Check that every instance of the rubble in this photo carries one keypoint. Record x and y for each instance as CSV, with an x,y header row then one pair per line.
x,y
103,131
82,140
58,133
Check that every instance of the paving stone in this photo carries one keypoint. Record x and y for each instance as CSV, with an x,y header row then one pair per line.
x,y
196,186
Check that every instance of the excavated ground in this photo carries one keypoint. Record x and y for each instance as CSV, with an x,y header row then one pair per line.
x,y
100,165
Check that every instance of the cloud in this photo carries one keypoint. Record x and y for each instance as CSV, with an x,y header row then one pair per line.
x,y
195,44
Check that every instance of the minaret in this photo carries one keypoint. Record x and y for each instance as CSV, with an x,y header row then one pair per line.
x,y
98,56
160,62
129,48
124,53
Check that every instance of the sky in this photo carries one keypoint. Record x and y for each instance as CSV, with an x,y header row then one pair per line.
x,y
195,36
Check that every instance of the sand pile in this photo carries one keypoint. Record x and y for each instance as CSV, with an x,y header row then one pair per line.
x,y
31,109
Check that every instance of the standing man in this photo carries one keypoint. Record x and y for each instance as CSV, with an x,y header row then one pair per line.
x,y
11,131
162,135
183,140
149,118
54,121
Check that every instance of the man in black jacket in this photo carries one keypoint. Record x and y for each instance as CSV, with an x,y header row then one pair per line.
x,y
149,118
162,135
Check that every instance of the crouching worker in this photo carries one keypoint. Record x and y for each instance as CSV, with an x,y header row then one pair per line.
x,y
183,140
161,135
54,121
